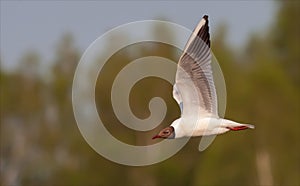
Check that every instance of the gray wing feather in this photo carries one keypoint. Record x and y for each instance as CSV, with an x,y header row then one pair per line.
x,y
196,63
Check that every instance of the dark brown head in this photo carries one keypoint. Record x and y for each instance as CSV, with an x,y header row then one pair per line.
x,y
167,132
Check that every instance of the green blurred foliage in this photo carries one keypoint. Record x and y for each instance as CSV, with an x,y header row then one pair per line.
x,y
41,144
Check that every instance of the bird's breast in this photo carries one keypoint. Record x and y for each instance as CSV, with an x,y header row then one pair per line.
x,y
200,126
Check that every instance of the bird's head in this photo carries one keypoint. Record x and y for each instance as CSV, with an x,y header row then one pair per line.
x,y
165,133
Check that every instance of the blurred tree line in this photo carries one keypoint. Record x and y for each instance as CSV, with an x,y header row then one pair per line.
x,y
41,144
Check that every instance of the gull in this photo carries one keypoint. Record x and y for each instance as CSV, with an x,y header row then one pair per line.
x,y
195,92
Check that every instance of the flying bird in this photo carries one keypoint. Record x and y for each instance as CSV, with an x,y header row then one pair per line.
x,y
195,92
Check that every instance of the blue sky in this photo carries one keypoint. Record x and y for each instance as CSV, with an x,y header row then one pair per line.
x,y
38,25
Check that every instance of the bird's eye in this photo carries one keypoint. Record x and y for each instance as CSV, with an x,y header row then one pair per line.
x,y
166,132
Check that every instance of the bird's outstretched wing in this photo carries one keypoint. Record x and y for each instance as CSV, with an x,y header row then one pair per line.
x,y
195,66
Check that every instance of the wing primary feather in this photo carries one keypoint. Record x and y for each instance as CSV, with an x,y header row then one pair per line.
x,y
196,62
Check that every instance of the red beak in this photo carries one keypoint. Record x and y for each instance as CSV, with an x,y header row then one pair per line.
x,y
157,136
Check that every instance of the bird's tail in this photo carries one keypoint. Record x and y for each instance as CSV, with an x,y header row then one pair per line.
x,y
249,126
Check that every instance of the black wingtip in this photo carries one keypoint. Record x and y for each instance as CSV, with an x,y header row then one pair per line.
x,y
205,17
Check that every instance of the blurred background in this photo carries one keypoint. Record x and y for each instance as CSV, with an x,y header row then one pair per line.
x,y
256,43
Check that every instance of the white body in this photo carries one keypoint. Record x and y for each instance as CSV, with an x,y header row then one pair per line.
x,y
193,126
